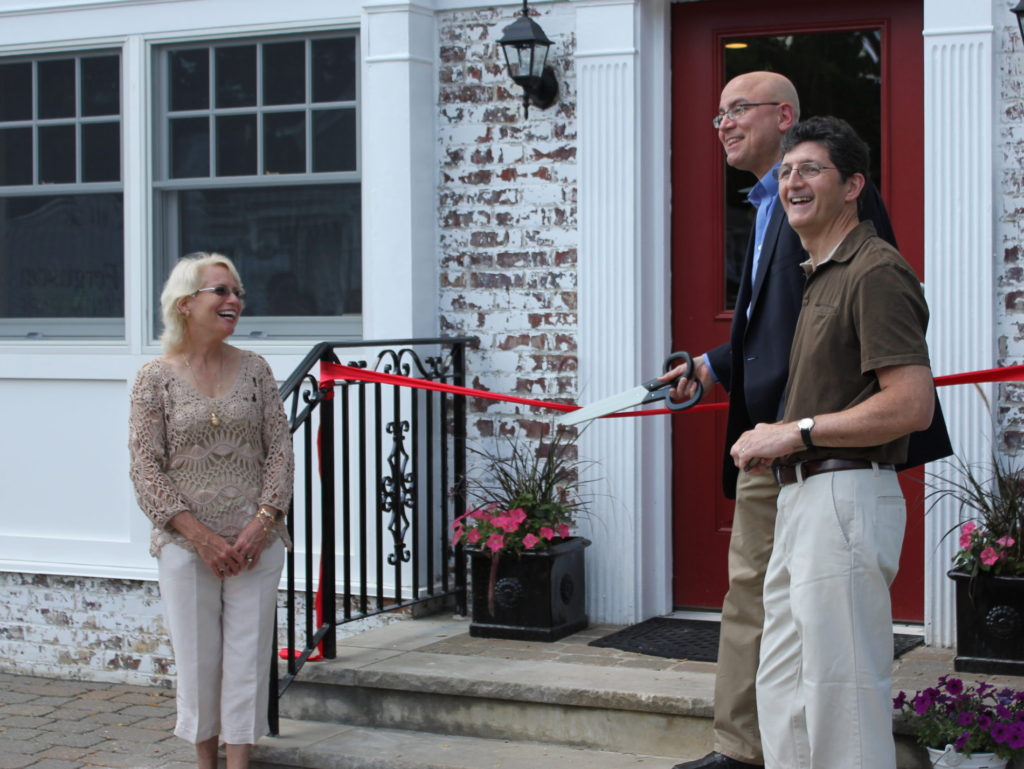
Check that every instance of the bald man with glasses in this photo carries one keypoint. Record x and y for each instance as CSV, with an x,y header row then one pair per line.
x,y
755,111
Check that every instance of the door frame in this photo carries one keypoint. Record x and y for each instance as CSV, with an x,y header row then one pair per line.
x,y
622,65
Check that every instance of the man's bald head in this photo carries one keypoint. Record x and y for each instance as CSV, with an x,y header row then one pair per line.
x,y
752,140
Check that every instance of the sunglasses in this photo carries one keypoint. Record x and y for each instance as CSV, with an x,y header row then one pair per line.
x,y
222,291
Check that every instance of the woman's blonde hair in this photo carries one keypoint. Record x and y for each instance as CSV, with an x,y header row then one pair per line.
x,y
185,279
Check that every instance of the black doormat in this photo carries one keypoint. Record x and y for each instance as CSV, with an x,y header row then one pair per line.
x,y
693,639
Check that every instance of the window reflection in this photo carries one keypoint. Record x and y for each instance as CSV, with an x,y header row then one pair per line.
x,y
835,73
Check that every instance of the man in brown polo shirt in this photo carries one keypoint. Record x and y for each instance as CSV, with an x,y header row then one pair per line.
x,y
859,384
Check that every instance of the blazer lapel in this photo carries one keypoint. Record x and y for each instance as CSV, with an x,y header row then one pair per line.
x,y
771,239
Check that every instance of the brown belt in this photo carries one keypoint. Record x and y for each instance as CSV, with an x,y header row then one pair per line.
x,y
787,473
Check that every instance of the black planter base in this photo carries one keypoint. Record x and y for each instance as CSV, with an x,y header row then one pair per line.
x,y
537,596
998,667
989,624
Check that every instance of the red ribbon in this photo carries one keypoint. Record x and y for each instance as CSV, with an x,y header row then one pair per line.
x,y
330,372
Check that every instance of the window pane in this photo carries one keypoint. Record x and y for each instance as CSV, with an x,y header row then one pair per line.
x,y
334,140
236,145
101,86
101,152
848,86
284,73
284,140
57,154
190,147
334,69
16,91
56,88
236,76
190,79
62,256
15,156
297,248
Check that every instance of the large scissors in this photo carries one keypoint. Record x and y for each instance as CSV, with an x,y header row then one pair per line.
x,y
648,392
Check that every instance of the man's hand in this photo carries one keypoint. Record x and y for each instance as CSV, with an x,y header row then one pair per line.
x,y
685,388
755,449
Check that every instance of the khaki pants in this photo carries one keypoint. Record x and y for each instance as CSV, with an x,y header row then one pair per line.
x,y
750,546
825,679
222,633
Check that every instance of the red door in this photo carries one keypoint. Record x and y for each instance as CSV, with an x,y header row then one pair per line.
x,y
862,62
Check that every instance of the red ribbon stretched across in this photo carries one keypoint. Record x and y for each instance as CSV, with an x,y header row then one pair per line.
x,y
330,372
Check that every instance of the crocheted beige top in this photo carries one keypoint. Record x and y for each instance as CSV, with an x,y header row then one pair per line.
x,y
222,474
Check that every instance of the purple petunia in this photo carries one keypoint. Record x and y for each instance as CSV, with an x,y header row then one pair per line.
x,y
954,686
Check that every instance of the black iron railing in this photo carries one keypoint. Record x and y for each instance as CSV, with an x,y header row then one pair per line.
x,y
374,495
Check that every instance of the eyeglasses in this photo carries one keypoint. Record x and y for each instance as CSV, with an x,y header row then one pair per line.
x,y
736,111
806,170
222,291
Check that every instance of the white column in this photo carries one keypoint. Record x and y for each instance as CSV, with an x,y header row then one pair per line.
x,y
622,109
959,254
397,98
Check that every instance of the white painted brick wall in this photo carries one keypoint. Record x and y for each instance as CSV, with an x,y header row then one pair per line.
x,y
1009,227
507,217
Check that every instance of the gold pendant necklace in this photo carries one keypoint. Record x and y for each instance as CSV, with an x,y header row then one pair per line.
x,y
214,419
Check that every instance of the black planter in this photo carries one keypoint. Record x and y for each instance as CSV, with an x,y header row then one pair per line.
x,y
538,596
989,624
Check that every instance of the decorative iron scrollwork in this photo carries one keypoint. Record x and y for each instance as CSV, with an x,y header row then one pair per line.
x,y
398,492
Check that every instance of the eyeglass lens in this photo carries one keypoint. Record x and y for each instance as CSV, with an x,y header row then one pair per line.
x,y
804,170
222,291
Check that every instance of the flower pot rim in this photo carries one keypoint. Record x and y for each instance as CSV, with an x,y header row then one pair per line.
x,y
569,543
959,575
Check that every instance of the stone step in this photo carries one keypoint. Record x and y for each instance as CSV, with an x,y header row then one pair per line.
x,y
623,710
319,745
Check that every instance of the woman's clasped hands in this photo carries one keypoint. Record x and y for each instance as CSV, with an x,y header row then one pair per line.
x,y
226,559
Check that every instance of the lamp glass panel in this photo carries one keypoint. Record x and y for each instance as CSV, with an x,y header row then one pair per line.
x,y
539,59
519,59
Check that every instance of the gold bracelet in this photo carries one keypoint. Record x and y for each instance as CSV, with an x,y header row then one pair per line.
x,y
269,519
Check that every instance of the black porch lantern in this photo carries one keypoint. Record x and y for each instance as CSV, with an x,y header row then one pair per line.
x,y
1018,10
526,54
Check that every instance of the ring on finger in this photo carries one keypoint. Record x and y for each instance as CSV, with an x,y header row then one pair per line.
x,y
248,559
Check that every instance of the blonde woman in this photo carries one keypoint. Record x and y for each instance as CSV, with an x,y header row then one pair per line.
x,y
211,461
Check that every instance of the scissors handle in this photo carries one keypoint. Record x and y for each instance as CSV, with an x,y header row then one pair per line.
x,y
671,362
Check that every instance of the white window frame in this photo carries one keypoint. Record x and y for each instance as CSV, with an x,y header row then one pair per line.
x,y
166,248
102,329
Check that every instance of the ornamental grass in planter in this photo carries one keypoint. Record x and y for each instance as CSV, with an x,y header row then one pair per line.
x,y
988,568
527,568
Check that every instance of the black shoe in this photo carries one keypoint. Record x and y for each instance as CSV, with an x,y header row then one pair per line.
x,y
717,761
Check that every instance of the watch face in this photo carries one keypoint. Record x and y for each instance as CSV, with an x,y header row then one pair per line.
x,y
805,424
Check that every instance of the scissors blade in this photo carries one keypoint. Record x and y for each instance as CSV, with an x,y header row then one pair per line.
x,y
609,405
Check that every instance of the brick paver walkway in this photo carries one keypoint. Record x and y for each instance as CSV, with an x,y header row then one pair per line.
x,y
49,723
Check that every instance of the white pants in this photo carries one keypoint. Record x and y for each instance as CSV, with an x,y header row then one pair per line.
x,y
824,680
222,631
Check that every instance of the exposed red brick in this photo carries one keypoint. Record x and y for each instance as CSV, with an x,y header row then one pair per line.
x,y
450,53
488,239
511,342
476,177
562,153
1015,301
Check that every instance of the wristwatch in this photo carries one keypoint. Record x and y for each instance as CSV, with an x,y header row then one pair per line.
x,y
806,425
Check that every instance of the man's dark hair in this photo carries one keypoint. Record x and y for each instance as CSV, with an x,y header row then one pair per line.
x,y
847,151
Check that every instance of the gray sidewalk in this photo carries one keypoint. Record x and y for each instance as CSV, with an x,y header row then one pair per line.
x,y
58,724
50,723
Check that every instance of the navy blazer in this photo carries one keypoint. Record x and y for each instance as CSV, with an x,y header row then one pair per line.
x,y
754,364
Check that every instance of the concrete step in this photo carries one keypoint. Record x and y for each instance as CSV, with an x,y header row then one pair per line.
x,y
623,710
423,694
319,745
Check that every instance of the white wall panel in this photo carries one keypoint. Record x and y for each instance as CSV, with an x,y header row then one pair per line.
x,y
958,255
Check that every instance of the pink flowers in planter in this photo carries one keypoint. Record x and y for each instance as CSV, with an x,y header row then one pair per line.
x,y
512,530
979,545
